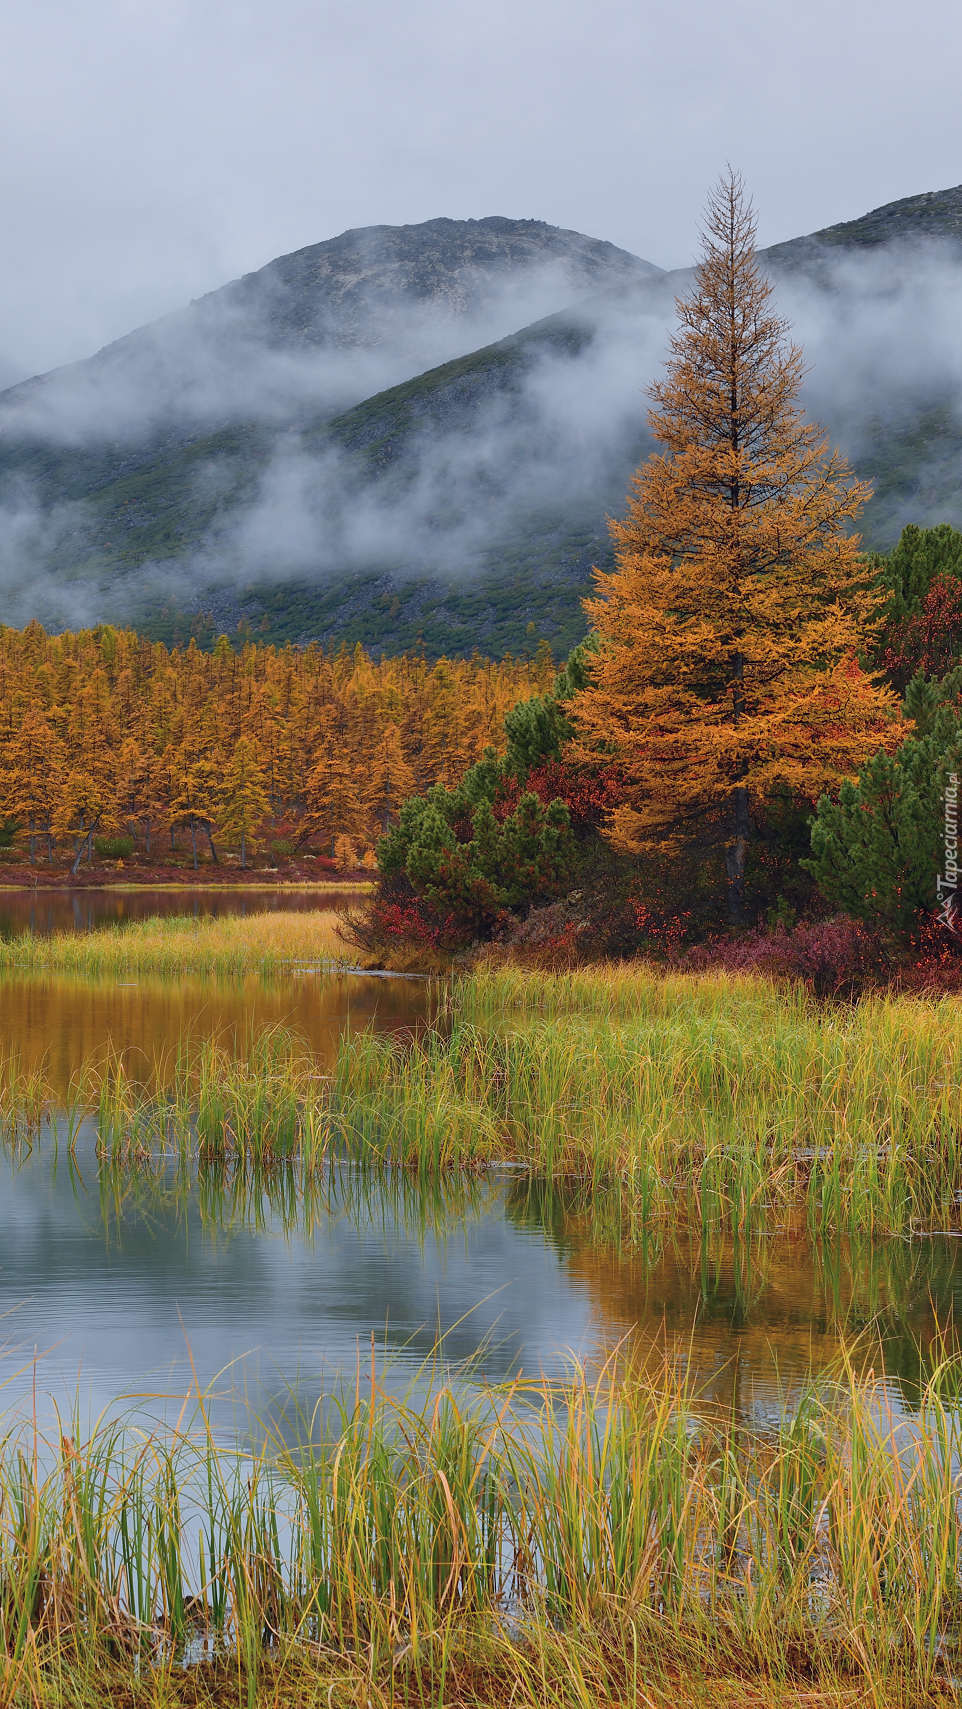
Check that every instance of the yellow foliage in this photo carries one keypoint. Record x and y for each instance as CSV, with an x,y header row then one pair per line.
x,y
101,728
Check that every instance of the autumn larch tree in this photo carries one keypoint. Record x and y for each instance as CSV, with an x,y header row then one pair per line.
x,y
245,803
726,668
390,779
195,801
32,787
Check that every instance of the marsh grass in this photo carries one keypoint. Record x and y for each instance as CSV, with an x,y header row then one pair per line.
x,y
714,1101
605,1539
576,1542
718,1099
227,946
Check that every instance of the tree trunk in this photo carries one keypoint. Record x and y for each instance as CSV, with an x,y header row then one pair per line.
x,y
193,842
33,844
213,851
78,854
243,853
85,841
735,858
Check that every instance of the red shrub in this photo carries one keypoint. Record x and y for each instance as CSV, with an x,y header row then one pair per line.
x,y
832,957
931,639
934,962
412,922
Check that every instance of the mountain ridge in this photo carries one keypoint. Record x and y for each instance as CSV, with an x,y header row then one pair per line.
x,y
483,515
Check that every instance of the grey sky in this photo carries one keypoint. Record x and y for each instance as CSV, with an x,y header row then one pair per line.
x,y
153,149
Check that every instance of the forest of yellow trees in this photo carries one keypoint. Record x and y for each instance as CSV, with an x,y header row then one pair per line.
x,y
105,734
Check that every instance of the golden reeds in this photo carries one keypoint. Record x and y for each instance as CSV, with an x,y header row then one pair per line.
x,y
713,1100
268,943
495,1533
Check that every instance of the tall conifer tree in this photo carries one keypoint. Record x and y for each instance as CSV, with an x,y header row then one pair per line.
x,y
726,669
245,803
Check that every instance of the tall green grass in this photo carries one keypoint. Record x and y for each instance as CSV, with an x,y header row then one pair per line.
x,y
715,1098
716,1101
496,1531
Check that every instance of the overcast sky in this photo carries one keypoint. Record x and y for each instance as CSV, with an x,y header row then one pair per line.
x,y
153,149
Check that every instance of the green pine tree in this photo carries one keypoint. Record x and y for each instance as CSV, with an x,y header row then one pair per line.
x,y
878,850
457,855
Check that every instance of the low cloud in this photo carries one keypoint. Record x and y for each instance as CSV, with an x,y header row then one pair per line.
x,y
550,447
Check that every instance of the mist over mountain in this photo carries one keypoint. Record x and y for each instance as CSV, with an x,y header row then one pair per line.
x,y
345,443
319,329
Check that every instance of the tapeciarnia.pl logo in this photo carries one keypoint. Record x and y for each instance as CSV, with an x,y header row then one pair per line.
x,y
946,884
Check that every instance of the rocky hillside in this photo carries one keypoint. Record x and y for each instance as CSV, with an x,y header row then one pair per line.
x,y
317,329
374,285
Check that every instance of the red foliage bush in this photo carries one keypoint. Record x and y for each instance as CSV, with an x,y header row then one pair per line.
x,y
934,960
396,920
662,932
931,639
833,957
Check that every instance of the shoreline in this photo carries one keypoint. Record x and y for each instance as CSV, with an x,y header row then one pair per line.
x,y
173,885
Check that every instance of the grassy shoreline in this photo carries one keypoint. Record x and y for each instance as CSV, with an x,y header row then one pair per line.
x,y
227,945
604,1541
714,1101
572,1543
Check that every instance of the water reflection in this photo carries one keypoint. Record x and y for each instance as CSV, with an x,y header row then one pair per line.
x,y
273,1289
752,1320
42,912
57,1024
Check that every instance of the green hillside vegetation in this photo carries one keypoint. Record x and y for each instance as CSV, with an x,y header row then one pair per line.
x,y
164,504
172,502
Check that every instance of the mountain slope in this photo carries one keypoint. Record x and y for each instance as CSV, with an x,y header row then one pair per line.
x,y
317,329
466,504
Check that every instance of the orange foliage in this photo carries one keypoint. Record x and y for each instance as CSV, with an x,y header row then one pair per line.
x,y
729,630
103,731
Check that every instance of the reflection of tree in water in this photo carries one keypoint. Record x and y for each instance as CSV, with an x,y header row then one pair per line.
x,y
56,1023
752,1319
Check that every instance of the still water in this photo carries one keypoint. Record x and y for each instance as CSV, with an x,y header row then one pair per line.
x,y
42,912
58,1024
128,1294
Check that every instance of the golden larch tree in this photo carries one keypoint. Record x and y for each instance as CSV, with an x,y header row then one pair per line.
x,y
245,805
727,636
390,779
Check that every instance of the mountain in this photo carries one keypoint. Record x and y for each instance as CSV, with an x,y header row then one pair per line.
x,y
264,480
317,329
934,216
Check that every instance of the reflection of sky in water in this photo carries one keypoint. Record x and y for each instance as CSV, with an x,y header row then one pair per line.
x,y
111,1301
121,1304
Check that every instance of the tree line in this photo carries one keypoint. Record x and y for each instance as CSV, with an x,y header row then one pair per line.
x,y
103,732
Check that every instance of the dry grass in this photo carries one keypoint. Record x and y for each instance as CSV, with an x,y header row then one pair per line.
x,y
257,943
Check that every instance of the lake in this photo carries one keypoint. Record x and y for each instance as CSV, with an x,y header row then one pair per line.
x,y
45,911
124,1293
130,1291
